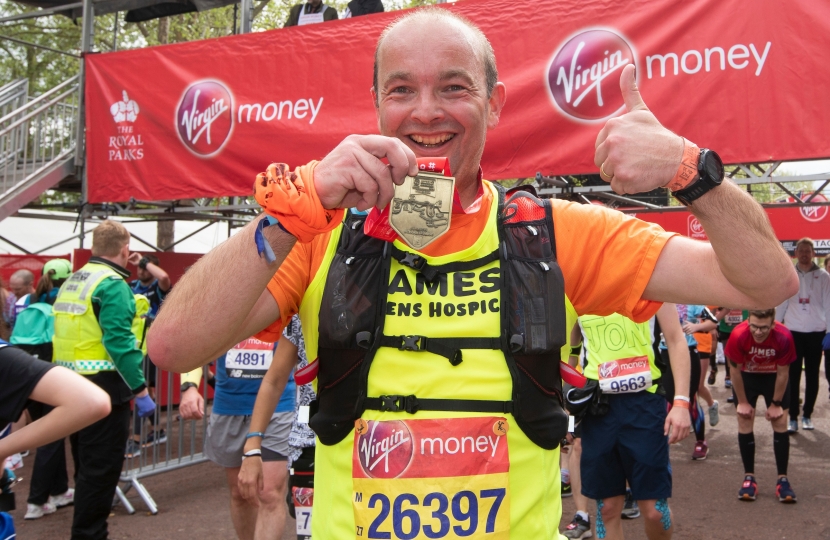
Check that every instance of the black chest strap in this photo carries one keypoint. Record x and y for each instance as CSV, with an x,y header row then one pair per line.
x,y
430,272
449,348
412,404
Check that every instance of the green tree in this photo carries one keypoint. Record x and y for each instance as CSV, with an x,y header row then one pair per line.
x,y
44,69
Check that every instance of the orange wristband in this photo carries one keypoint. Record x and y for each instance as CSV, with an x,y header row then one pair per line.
x,y
681,403
292,199
687,170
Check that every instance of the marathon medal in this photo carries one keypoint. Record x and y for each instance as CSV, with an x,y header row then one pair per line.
x,y
422,208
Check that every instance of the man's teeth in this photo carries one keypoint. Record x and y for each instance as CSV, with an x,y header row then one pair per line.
x,y
432,140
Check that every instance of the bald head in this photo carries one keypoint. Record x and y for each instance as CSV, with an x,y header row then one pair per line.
x,y
425,18
22,283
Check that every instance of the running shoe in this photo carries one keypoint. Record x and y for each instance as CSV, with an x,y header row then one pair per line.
x,y
630,509
714,414
59,501
784,492
749,489
727,383
578,528
793,427
713,377
133,449
701,451
155,437
566,490
37,511
807,424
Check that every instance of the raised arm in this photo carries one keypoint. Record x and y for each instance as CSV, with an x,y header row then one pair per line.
x,y
743,266
198,323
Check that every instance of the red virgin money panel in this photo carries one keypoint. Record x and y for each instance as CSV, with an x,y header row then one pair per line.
x,y
745,77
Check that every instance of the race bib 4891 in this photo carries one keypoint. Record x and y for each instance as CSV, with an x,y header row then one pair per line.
x,y
431,479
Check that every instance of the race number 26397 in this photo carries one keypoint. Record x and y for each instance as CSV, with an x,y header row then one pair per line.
x,y
436,515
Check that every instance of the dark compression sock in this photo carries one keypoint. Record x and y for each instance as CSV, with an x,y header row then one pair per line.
x,y
746,442
781,447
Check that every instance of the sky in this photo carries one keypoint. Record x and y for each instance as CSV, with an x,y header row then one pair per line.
x,y
35,234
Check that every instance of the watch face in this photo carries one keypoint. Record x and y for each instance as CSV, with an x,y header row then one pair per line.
x,y
713,166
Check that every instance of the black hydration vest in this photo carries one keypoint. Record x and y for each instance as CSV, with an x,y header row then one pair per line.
x,y
352,316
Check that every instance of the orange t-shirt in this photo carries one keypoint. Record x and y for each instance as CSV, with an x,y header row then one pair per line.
x,y
606,257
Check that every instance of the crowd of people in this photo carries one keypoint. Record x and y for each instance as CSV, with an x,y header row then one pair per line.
x,y
420,391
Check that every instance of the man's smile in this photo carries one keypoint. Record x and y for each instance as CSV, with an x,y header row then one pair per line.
x,y
431,141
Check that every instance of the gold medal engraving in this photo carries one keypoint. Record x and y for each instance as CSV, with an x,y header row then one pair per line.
x,y
422,208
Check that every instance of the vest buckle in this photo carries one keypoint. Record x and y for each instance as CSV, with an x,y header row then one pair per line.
x,y
413,343
398,403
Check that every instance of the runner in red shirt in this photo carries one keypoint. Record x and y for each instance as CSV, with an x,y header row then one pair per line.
x,y
764,350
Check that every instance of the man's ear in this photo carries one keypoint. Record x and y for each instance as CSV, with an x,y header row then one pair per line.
x,y
496,103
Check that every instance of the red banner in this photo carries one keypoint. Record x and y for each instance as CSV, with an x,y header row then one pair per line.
x,y
746,77
790,225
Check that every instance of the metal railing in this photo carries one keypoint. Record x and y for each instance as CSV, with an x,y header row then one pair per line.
x,y
13,95
181,446
38,134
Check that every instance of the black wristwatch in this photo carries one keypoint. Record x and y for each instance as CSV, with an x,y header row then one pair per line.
x,y
143,263
188,385
709,176
776,402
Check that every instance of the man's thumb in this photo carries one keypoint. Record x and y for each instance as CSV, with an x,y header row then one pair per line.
x,y
631,94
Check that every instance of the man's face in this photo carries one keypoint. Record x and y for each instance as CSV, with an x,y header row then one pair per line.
x,y
143,275
18,287
432,93
760,328
804,253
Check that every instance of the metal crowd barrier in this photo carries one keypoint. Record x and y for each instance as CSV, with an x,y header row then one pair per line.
x,y
184,442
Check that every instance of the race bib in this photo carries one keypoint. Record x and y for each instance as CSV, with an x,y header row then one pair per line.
x,y
734,317
249,359
431,479
303,500
625,376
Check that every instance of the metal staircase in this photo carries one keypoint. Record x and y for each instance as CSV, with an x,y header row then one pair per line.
x,y
37,141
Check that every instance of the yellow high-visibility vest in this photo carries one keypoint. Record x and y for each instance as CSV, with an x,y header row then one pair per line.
x,y
78,342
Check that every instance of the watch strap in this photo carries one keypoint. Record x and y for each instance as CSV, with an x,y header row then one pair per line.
x,y
688,168
187,385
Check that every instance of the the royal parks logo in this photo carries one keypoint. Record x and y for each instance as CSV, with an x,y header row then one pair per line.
x,y
204,117
583,77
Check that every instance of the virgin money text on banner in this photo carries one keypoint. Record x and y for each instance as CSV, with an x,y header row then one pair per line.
x,y
747,78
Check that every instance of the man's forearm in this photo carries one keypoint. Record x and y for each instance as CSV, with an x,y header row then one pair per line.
x,y
782,378
199,323
160,275
755,264
681,366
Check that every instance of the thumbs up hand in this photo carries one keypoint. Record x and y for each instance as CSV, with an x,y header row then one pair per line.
x,y
634,151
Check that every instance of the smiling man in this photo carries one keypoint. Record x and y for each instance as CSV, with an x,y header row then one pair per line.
x,y
437,368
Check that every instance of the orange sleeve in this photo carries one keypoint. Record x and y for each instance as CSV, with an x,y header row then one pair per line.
x,y
607,259
291,281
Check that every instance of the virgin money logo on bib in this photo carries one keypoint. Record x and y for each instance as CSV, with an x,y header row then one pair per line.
x,y
584,75
609,370
204,118
385,449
